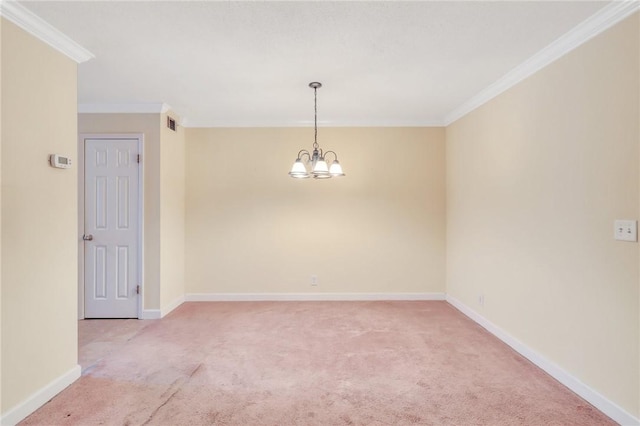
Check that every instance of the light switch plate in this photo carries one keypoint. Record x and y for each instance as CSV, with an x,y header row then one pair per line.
x,y
626,230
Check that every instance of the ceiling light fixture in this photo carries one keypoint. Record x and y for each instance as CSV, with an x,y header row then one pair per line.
x,y
319,168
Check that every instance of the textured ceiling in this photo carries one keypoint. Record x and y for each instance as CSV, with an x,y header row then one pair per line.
x,y
249,63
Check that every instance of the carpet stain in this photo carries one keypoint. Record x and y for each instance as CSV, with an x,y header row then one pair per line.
x,y
151,416
346,419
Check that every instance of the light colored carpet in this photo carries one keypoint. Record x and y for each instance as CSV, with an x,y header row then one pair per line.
x,y
98,338
315,363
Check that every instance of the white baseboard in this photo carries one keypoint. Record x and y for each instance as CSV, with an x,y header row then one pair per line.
x,y
151,314
608,407
171,306
277,297
39,398
161,313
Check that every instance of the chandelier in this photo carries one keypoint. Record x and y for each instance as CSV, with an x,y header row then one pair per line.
x,y
316,159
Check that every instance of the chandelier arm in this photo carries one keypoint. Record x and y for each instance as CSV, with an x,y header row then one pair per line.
x,y
302,153
331,152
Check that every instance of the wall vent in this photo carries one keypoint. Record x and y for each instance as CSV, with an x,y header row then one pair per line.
x,y
171,123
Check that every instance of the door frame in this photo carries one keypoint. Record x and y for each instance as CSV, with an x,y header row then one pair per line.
x,y
81,177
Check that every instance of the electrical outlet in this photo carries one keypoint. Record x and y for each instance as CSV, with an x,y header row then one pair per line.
x,y
625,230
481,299
314,280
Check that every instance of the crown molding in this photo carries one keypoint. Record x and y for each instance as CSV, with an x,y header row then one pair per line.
x,y
186,122
124,108
602,20
39,28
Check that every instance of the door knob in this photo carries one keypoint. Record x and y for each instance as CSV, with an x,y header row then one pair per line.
x,y
87,237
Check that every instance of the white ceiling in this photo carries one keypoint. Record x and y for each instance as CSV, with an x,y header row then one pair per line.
x,y
249,63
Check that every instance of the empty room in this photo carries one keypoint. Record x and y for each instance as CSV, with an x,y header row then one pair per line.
x,y
319,213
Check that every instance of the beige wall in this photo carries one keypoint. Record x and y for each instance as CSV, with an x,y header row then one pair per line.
x,y
253,229
39,213
172,213
535,179
149,125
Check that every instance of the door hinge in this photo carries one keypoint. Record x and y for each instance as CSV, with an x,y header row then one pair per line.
x,y
138,159
137,289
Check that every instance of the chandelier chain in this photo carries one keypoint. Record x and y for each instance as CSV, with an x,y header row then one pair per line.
x,y
315,114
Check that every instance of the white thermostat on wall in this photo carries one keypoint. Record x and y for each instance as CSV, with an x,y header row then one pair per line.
x,y
60,161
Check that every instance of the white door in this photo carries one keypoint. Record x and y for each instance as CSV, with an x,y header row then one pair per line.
x,y
111,236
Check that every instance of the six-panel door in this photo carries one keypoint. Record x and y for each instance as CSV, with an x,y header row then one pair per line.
x,y
111,228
